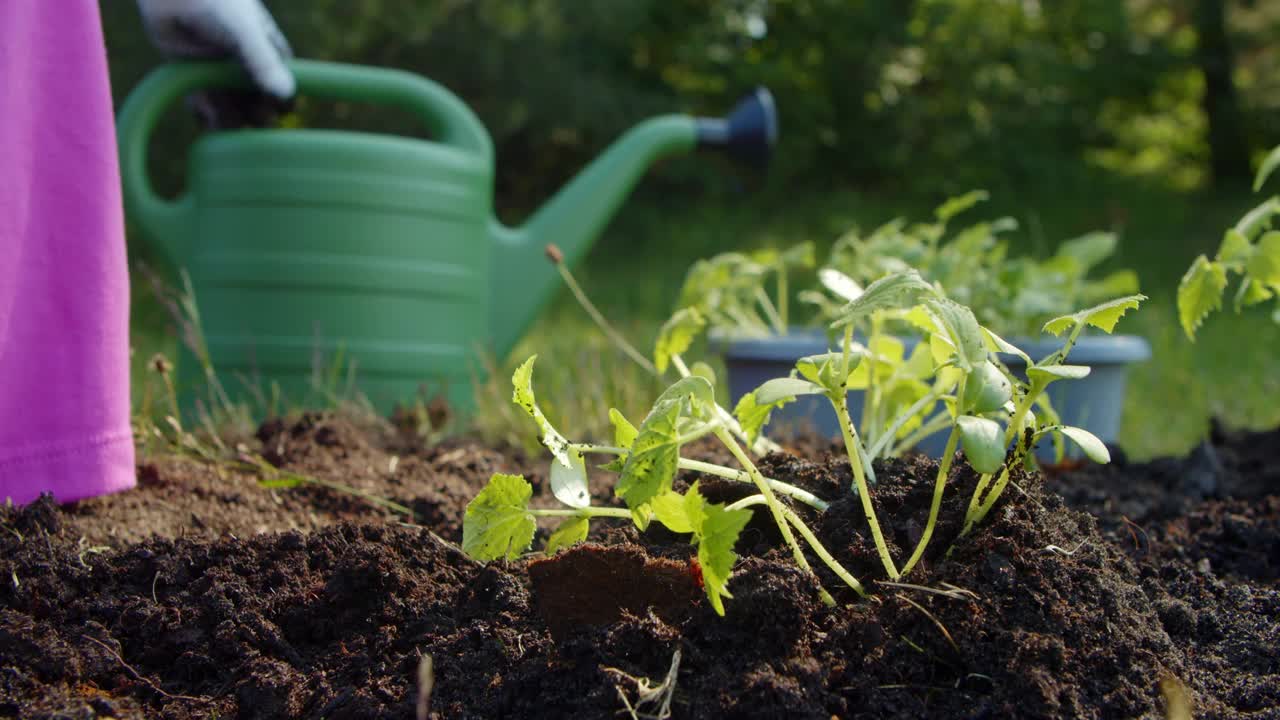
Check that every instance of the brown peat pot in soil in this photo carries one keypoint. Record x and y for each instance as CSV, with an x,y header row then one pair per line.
x,y
1089,594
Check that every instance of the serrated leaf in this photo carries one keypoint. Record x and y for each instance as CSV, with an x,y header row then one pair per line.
x,y
1264,264
497,523
1048,373
670,509
898,291
753,414
1089,443
956,205
571,532
986,389
694,386
1251,293
1104,316
1258,219
651,464
1269,164
522,395
1200,293
839,284
962,330
569,484
1235,247
716,538
624,433
983,443
676,335
824,369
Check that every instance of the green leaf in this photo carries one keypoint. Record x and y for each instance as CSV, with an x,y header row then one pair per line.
x,y
1046,374
1235,247
522,395
778,389
1264,264
1121,282
497,523
651,464
824,369
983,443
716,537
1104,316
986,389
962,330
569,485
1200,293
624,433
1251,293
996,343
670,509
898,291
1258,219
694,386
1092,446
956,205
571,532
291,481
703,371
676,335
839,284
1090,249
1269,164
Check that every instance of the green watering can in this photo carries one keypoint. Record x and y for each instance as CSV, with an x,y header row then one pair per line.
x,y
305,243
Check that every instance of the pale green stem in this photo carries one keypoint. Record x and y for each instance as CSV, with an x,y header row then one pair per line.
x,y
782,298
871,397
771,500
583,512
770,311
855,462
939,485
727,473
762,444
818,548
602,323
938,422
884,440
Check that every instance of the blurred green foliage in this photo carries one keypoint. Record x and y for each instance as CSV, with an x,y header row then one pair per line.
x,y
925,96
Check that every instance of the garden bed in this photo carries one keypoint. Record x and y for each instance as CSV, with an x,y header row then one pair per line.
x,y
308,602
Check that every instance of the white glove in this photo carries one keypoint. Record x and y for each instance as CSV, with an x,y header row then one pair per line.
x,y
207,29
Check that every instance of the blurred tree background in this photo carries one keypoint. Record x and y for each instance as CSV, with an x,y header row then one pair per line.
x,y
915,96
1140,116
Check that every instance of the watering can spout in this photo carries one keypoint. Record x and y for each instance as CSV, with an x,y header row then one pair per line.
x,y
524,280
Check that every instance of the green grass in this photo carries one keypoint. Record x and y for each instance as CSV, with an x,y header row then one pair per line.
x,y
635,270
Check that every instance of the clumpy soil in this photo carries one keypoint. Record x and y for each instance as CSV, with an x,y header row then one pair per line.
x,y
1094,593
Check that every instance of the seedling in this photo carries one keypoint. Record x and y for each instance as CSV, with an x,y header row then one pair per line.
x,y
993,416
1250,249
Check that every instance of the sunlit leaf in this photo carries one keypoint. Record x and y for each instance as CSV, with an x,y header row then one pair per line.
x,y
1089,443
999,344
571,532
569,484
1200,293
839,284
1269,164
986,389
670,509
983,443
1264,264
1046,374
497,523
1104,316
717,536
624,433
900,290
1090,249
1235,247
676,335
522,395
962,330
1258,219
956,205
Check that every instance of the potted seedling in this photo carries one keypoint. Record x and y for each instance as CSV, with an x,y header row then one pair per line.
x,y
1014,296
991,414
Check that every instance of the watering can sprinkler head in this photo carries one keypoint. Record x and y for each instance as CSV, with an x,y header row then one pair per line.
x,y
748,133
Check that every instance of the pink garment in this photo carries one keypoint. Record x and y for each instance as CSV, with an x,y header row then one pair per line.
x,y
64,292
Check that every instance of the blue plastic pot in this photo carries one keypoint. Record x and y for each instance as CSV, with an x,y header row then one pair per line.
x,y
1094,403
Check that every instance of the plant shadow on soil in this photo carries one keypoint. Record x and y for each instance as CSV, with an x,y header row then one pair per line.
x,y
200,594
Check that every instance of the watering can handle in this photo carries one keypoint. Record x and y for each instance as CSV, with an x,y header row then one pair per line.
x,y
166,222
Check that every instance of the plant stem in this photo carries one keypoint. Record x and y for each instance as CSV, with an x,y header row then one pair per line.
x,y
940,484
727,473
884,440
762,445
600,320
770,311
585,512
818,548
931,426
851,444
771,500
871,398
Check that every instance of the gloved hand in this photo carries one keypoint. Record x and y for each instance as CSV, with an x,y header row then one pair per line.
x,y
242,29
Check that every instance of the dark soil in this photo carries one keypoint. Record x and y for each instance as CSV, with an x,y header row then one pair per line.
x,y
201,595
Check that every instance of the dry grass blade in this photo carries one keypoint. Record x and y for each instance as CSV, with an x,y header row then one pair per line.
x,y
139,676
945,633
426,683
948,590
648,695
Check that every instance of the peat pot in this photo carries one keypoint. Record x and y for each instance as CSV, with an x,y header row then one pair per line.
x,y
1094,403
